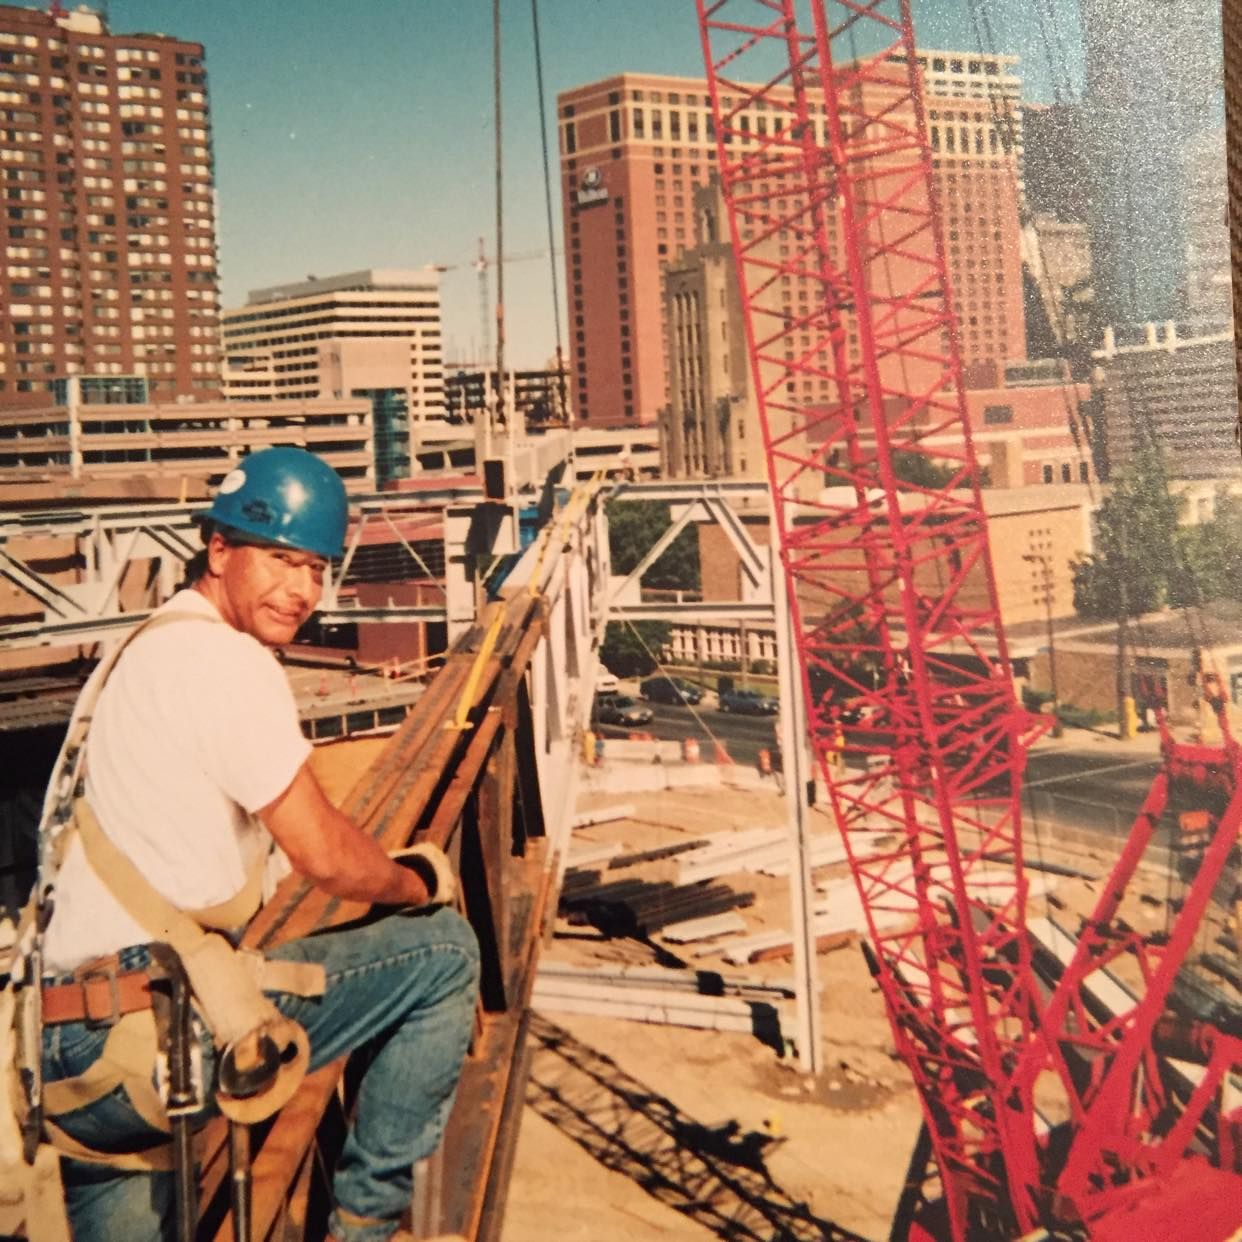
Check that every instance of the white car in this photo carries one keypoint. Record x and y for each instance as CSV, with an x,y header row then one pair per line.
x,y
606,682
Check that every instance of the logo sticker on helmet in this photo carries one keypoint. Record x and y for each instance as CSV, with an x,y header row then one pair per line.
x,y
232,482
259,511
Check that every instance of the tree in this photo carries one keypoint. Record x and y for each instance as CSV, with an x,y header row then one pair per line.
x,y
1138,565
1210,558
920,470
634,527
633,649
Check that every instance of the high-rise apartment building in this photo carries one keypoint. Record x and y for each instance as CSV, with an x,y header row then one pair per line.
x,y
108,230
635,146
336,335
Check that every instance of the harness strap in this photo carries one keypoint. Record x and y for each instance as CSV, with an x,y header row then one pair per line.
x,y
150,909
153,1160
32,1200
227,985
127,1058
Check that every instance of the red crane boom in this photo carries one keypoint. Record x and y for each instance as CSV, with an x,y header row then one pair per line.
x,y
826,171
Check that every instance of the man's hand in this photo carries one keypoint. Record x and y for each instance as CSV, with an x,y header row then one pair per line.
x,y
330,850
430,863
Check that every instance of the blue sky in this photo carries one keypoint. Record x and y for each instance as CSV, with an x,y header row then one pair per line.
x,y
358,133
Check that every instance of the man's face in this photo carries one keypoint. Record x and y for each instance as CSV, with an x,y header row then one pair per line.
x,y
265,591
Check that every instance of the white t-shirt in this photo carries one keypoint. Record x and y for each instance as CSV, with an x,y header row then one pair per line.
x,y
196,729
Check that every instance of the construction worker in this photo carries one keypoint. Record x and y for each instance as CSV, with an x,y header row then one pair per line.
x,y
196,765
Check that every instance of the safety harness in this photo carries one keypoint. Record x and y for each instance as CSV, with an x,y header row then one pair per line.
x,y
227,984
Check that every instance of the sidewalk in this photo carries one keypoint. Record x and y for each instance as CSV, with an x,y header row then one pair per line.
x,y
1105,740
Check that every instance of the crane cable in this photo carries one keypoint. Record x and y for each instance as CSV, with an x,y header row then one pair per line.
x,y
562,395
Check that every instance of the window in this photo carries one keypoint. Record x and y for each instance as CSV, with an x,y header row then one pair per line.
x,y
1065,472
994,415
1047,474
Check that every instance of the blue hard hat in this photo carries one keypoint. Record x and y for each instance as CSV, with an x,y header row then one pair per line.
x,y
285,496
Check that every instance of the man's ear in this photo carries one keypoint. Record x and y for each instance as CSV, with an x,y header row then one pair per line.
x,y
218,550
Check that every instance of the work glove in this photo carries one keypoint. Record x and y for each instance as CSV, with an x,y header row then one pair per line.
x,y
430,863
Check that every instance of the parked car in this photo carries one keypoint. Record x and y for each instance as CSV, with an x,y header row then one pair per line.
x,y
620,709
606,682
748,703
670,690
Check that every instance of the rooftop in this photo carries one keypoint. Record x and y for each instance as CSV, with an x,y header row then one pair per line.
x,y
395,279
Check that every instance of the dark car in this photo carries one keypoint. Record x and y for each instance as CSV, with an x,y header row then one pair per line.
x,y
748,703
620,709
670,690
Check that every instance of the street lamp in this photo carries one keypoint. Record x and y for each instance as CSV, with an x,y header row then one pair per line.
x,y
1046,564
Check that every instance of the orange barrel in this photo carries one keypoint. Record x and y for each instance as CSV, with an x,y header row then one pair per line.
x,y
690,749
765,763
722,754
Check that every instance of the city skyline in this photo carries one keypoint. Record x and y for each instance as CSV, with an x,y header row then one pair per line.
x,y
334,147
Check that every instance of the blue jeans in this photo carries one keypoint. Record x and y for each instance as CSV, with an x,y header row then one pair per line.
x,y
404,985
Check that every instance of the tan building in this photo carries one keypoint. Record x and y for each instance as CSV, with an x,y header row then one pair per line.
x,y
710,427
95,437
110,247
634,148
333,336
1034,534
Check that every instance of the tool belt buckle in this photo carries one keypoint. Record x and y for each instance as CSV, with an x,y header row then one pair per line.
x,y
104,974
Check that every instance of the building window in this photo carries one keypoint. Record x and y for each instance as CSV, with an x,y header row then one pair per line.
x,y
1047,474
994,415
1065,472
1084,472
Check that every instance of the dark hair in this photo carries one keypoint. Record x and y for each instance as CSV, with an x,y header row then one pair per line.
x,y
196,566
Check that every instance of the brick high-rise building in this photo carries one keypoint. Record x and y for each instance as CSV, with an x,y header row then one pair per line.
x,y
108,230
635,146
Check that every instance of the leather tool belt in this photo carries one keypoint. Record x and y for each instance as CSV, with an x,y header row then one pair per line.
x,y
100,994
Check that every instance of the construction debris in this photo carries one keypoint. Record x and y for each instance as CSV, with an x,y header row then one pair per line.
x,y
704,929
640,907
585,853
602,815
680,998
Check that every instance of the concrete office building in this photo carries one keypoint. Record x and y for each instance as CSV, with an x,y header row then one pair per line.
x,y
109,242
333,336
635,146
1179,392
1153,74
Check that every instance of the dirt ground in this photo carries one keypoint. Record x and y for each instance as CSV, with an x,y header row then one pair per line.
x,y
642,1131
647,1131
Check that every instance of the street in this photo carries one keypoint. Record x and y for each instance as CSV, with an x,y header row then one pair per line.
x,y
744,736
1085,780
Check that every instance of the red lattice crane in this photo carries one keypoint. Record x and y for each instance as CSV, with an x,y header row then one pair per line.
x,y
826,172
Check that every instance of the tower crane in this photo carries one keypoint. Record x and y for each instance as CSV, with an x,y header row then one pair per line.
x,y
1080,1102
482,264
